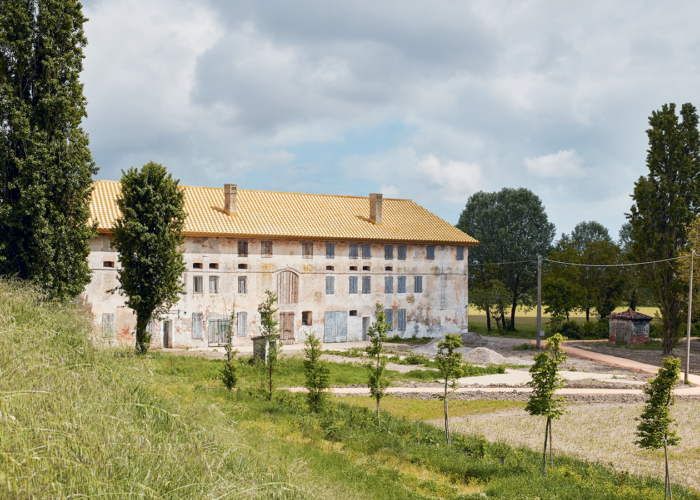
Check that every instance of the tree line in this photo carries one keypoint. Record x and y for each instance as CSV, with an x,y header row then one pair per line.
x,y
662,224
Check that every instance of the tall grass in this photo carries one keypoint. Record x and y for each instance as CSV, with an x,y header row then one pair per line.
x,y
78,422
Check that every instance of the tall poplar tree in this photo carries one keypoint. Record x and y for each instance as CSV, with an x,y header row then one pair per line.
x,y
46,168
148,237
666,201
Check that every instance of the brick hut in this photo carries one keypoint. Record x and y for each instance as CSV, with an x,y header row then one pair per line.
x,y
630,327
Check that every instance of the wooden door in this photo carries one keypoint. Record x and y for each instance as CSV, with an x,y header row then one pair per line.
x,y
166,334
287,327
365,327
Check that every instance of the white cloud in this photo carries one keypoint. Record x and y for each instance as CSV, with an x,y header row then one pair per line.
x,y
454,180
560,165
389,191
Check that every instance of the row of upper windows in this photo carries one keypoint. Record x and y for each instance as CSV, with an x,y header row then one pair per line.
x,y
198,284
307,250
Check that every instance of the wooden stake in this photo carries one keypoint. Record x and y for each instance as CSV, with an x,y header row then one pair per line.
x,y
539,300
690,310
544,454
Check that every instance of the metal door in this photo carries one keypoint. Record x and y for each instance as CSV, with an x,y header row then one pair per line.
x,y
287,327
336,326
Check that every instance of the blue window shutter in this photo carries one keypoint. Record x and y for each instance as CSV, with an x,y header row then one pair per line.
x,y
402,252
460,253
402,284
353,284
366,251
366,284
390,318
418,284
388,284
431,252
402,320
353,251
329,285
388,252
330,250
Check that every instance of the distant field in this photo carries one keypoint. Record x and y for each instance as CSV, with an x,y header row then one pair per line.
x,y
524,317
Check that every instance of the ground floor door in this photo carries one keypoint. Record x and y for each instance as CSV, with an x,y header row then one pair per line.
x,y
218,332
365,327
336,326
287,328
167,334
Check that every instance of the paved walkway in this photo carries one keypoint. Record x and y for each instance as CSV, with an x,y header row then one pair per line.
x,y
689,391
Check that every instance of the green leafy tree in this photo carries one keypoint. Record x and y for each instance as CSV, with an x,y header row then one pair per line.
x,y
654,429
666,201
229,372
377,335
318,379
511,226
46,168
270,329
449,361
148,237
636,293
492,297
545,382
561,296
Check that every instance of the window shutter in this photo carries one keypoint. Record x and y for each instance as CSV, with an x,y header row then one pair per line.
x,y
431,252
388,284
402,252
242,324
108,323
330,250
460,253
402,284
366,284
366,251
330,285
402,320
197,319
353,251
389,318
418,284
388,252
353,284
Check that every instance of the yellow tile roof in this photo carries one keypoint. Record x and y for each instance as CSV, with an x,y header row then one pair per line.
x,y
271,214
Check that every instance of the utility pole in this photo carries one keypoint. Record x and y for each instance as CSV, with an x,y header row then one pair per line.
x,y
539,300
690,310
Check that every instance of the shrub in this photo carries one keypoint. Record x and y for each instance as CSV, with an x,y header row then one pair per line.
x,y
571,330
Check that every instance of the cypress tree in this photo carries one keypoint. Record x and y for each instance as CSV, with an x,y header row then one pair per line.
x,y
46,168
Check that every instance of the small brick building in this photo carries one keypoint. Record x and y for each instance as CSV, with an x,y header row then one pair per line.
x,y
630,327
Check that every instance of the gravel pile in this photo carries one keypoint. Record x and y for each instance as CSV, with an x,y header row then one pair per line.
x,y
431,348
485,356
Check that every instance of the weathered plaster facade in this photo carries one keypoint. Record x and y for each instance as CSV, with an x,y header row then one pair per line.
x,y
440,308
330,259
629,328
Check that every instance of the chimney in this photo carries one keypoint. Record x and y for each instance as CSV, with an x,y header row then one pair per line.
x,y
230,192
375,207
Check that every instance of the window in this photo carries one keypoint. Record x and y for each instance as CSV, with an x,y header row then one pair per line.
x,y
388,284
108,323
353,312
402,284
213,284
197,326
213,266
242,248
266,248
330,285
431,252
353,268
353,251
197,265
418,284
242,284
330,268
460,253
402,252
198,284
307,249
402,320
353,284
108,263
306,318
242,266
365,268
388,268
388,252
366,251
330,250
389,318
366,284
287,287
242,329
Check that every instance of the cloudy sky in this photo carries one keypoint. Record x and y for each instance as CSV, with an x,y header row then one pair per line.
x,y
430,100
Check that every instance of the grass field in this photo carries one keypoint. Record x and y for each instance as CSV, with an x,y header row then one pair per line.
x,y
77,422
528,314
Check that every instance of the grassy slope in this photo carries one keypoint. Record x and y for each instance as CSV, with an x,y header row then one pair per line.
x,y
106,424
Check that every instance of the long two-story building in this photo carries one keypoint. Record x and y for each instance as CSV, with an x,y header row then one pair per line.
x,y
329,259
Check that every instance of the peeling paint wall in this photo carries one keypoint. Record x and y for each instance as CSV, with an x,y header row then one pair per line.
x,y
441,308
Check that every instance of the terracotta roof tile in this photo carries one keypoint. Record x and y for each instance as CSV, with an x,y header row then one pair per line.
x,y
630,315
274,214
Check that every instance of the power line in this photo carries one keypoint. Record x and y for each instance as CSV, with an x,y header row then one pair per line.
x,y
502,263
616,265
